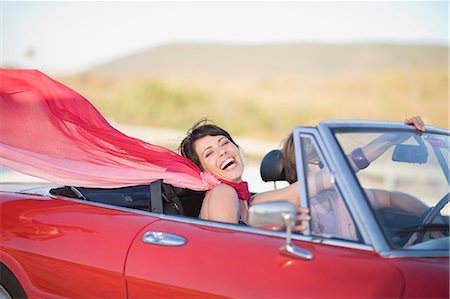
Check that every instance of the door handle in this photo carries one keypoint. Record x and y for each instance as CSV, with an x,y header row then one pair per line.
x,y
165,239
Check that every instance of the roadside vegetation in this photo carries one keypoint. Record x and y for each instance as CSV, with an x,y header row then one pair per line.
x,y
268,108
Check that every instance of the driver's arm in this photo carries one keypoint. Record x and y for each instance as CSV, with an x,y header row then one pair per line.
x,y
397,200
377,147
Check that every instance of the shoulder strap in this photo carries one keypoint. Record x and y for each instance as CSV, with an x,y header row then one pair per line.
x,y
173,198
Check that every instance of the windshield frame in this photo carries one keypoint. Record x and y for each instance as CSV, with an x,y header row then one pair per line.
x,y
361,210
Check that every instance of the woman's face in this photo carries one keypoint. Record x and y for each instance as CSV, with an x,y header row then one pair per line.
x,y
220,157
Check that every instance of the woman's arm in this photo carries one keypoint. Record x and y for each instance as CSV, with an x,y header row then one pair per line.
x,y
321,180
290,193
397,200
287,193
221,204
360,158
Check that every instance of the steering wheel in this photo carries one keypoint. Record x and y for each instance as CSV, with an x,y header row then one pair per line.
x,y
428,219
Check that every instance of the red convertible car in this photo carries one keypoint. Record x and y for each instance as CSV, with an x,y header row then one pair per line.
x,y
380,232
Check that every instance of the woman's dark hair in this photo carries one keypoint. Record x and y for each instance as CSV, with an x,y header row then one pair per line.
x,y
199,130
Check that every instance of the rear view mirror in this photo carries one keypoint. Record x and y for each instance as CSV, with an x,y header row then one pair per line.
x,y
410,153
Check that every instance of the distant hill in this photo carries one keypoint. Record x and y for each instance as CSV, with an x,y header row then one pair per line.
x,y
263,91
224,60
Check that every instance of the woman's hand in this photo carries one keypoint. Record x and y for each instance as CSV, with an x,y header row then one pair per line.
x,y
417,122
302,215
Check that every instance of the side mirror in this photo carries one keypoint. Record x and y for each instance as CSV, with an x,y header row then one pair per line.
x,y
277,215
270,215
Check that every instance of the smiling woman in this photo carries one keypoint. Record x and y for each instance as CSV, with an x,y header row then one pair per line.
x,y
213,150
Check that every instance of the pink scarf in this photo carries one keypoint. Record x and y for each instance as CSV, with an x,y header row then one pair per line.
x,y
241,189
47,130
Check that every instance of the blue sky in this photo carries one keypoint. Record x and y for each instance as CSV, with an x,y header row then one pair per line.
x,y
65,37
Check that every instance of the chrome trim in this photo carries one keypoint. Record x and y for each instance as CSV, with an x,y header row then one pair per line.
x,y
164,239
290,250
297,134
347,244
4,294
28,188
77,192
414,253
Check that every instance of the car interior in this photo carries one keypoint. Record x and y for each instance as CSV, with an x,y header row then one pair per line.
x,y
163,198
156,197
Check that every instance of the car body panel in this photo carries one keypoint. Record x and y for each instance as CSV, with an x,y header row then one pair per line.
x,y
426,277
229,263
56,232
65,248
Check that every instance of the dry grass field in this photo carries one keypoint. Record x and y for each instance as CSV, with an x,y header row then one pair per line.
x,y
376,83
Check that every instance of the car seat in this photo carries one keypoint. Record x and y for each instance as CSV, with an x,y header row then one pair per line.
x,y
271,168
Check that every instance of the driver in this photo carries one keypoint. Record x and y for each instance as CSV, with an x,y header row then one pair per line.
x,y
328,211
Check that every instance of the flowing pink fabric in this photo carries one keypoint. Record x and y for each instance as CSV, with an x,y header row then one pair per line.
x,y
47,130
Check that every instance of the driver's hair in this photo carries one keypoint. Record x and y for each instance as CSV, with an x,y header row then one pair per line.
x,y
288,156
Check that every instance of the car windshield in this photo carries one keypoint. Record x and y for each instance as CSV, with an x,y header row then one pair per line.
x,y
406,184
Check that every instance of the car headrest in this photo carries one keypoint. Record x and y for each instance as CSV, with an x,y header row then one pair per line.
x,y
272,167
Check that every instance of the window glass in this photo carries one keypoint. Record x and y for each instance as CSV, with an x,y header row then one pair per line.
x,y
329,214
405,177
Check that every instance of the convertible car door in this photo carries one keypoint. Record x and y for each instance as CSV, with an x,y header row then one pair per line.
x,y
222,261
